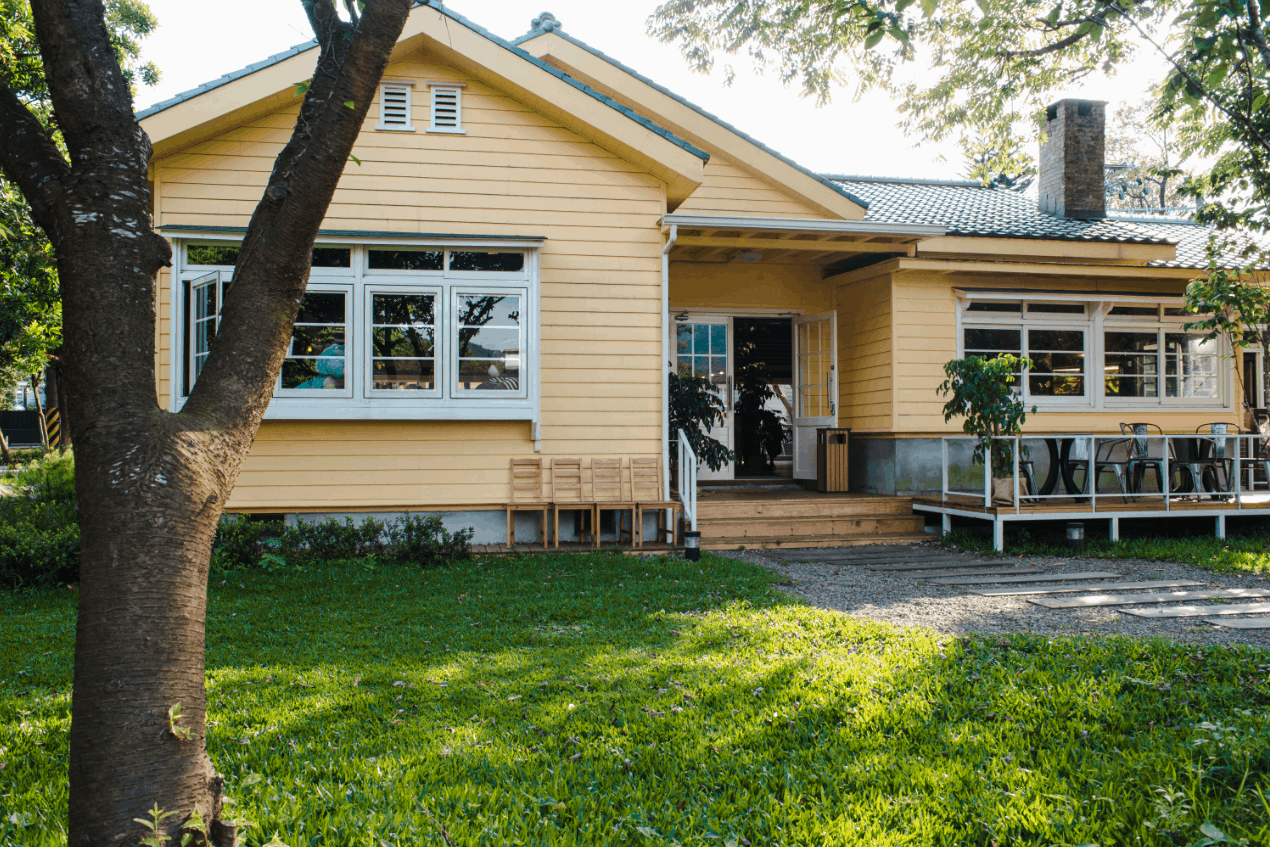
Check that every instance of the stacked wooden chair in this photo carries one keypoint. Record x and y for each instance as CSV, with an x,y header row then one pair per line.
x,y
609,492
527,496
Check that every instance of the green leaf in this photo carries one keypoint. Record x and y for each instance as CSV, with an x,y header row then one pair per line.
x,y
1052,17
929,6
302,88
1212,831
355,159
350,104
874,38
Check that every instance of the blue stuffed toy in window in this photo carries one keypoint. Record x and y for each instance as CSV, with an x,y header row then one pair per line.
x,y
330,366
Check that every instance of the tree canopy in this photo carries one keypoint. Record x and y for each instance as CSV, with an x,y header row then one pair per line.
x,y
989,67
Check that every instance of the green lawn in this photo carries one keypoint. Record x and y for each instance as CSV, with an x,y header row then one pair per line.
x,y
605,699
1243,554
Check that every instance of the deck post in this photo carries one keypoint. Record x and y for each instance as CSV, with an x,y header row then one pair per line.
x,y
987,476
998,535
1115,529
943,470
946,519
1221,527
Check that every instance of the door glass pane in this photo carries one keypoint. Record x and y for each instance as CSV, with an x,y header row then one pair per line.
x,y
703,352
814,369
489,342
204,318
403,335
316,357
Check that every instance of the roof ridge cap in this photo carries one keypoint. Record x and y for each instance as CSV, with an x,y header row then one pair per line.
x,y
904,180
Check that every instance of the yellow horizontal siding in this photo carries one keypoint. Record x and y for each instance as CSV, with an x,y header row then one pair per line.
x,y
513,172
729,189
865,365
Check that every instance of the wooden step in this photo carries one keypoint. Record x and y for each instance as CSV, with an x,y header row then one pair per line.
x,y
793,541
807,526
804,507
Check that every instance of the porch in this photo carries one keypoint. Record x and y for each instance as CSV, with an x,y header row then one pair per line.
x,y
1215,475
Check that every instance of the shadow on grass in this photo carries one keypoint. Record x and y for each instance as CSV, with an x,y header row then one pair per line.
x,y
605,699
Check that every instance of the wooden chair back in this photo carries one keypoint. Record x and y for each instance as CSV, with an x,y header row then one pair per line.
x,y
606,481
566,481
646,478
527,481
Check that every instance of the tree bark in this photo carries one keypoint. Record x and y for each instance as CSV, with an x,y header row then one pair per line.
x,y
150,484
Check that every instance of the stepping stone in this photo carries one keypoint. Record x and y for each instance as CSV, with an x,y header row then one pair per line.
x,y
1057,577
1200,611
1096,586
1241,623
1135,599
974,572
946,563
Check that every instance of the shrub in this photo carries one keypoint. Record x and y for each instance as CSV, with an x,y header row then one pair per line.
x,y
239,541
48,478
39,535
424,541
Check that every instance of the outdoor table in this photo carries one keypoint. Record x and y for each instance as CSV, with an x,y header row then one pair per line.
x,y
1060,457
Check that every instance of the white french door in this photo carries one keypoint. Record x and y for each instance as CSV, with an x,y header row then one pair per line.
x,y
704,347
816,385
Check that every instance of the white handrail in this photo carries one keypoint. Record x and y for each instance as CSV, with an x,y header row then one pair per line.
x,y
688,481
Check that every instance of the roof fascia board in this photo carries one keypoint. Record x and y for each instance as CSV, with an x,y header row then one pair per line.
x,y
803,225
696,124
1044,269
1065,249
1012,294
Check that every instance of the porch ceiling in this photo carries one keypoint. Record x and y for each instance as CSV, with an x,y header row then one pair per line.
x,y
720,240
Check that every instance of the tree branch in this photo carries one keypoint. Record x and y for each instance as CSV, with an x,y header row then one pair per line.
x,y
31,160
237,380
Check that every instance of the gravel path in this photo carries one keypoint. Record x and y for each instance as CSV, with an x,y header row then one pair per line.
x,y
904,601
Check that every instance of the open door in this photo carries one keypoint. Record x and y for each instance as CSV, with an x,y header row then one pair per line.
x,y
816,384
704,347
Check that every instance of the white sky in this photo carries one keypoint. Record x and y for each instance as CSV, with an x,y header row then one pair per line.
x,y
197,42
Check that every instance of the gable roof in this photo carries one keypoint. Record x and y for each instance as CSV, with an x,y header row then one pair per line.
x,y
455,16
267,85
971,209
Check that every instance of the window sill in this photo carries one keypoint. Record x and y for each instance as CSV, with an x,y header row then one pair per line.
x,y
353,409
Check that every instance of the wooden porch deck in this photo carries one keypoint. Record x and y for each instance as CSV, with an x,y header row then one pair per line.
x,y
774,517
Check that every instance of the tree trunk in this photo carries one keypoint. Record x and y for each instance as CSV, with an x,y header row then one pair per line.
x,y
150,484
56,394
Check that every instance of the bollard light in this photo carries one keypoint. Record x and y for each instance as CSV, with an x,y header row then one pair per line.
x,y
692,546
1076,536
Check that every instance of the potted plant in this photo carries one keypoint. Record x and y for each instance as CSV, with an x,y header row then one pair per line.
x,y
984,392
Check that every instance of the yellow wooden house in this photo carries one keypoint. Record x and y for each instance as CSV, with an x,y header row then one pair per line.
x,y
534,235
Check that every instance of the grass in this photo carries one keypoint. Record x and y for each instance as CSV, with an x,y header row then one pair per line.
x,y
605,699
1245,554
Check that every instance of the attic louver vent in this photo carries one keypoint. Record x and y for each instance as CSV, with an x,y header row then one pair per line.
x,y
394,106
447,107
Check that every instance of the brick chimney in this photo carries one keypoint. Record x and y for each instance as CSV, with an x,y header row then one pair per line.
x,y
1071,167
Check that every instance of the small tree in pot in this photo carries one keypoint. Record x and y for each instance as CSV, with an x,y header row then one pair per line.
x,y
982,391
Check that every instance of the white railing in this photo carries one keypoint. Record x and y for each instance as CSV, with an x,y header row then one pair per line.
x,y
688,481
1215,476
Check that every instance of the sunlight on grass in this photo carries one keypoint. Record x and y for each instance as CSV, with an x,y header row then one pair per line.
x,y
601,699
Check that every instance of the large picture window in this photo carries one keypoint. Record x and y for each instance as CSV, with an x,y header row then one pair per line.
x,y
409,330
1132,354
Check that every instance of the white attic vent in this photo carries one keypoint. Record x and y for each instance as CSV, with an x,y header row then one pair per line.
x,y
394,106
447,107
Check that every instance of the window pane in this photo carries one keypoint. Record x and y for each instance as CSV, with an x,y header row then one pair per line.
x,y
684,338
403,342
471,260
332,257
1015,308
212,254
1136,311
489,342
1132,364
404,309
1131,342
317,356
719,340
404,374
1056,308
406,260
979,341
701,338
321,307
1057,375
1190,366
1048,339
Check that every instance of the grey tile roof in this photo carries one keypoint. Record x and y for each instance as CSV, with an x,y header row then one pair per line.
x,y
477,28
554,27
968,208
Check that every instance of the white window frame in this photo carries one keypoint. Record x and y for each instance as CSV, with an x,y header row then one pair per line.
x,y
452,337
438,342
361,404
407,88
456,88
1096,322
319,284
1024,322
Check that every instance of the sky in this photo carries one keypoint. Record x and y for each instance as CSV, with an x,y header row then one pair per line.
x,y
197,42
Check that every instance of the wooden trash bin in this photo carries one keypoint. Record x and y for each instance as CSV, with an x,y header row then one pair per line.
x,y
831,459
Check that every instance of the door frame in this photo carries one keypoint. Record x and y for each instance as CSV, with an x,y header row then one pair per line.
x,y
709,314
